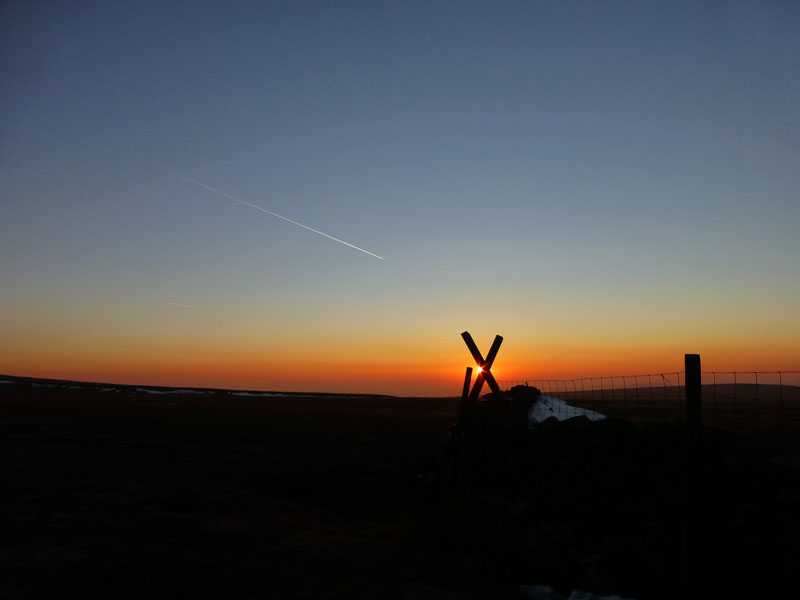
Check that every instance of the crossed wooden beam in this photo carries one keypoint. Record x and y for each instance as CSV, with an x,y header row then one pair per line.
x,y
484,366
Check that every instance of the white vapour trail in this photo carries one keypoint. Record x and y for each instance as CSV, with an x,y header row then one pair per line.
x,y
269,212
183,305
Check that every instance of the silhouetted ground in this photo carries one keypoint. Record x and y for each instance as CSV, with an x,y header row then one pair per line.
x,y
130,495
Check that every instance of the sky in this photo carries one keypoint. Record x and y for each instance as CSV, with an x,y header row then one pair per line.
x,y
608,185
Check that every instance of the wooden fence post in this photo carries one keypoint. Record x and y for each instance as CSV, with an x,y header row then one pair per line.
x,y
455,447
462,413
484,366
694,401
694,425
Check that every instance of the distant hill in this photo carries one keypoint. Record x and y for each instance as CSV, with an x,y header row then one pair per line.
x,y
40,382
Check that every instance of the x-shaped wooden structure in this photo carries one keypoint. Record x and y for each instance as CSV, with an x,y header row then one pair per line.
x,y
484,366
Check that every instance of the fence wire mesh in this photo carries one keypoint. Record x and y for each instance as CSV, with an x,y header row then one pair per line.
x,y
741,400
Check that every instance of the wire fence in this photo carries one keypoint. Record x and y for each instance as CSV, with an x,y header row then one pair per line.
x,y
742,400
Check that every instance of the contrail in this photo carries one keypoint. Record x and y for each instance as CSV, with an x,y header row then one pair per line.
x,y
183,305
269,212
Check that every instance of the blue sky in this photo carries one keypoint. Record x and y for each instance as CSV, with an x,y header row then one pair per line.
x,y
565,173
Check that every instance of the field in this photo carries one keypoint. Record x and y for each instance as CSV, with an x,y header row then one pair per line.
x,y
129,494
744,407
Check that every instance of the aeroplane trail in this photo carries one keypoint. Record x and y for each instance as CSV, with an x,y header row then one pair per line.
x,y
274,214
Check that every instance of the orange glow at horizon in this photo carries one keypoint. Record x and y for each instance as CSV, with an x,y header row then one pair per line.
x,y
393,368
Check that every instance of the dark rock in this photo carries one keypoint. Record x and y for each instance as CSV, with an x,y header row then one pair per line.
x,y
549,424
580,423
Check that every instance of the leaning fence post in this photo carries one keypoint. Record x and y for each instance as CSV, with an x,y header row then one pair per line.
x,y
694,402
455,448
462,413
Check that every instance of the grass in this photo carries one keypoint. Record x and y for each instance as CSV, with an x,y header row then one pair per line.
x,y
132,495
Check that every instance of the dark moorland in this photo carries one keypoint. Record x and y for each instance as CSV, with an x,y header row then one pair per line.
x,y
129,494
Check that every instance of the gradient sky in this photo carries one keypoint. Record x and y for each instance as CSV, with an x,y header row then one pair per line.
x,y
607,184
